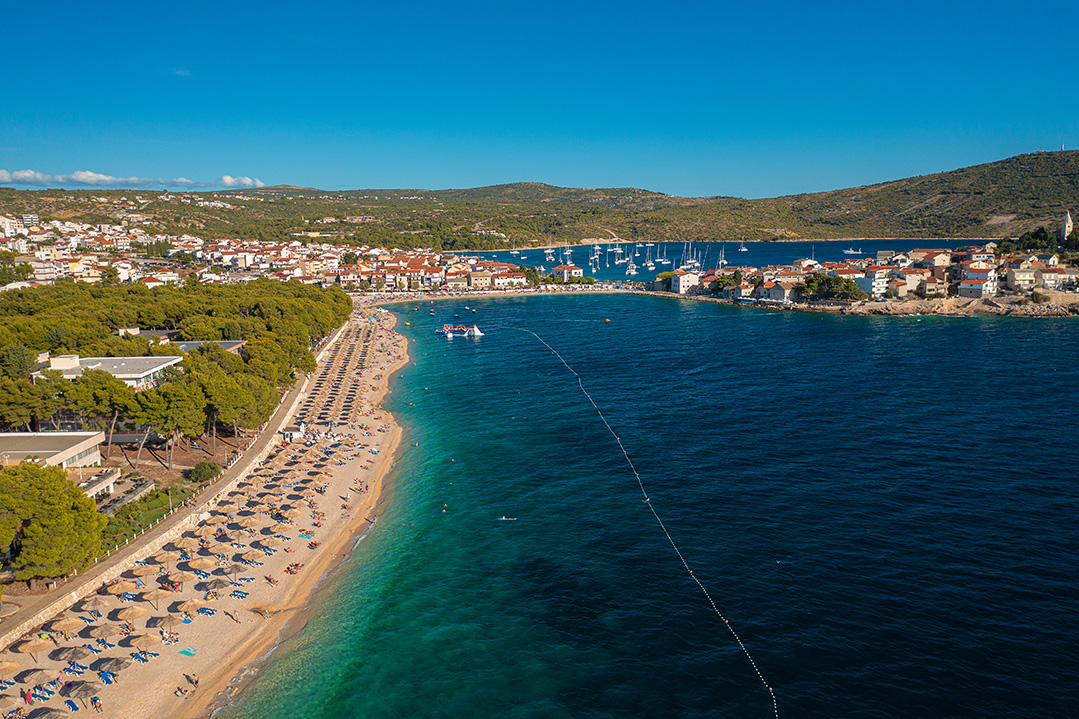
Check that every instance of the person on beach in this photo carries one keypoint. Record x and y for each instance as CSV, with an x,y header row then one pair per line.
x,y
97,705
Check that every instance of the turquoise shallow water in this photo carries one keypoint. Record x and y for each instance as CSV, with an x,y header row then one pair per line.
x,y
883,507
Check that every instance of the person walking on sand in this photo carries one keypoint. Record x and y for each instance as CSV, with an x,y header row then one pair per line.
x,y
195,680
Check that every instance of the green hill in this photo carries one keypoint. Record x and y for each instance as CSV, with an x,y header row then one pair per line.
x,y
997,199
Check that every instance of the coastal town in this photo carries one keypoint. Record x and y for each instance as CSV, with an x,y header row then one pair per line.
x,y
57,250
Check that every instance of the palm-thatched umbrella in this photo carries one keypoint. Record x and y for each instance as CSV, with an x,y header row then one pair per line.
x,y
233,569
166,557
271,541
249,522
308,492
217,584
206,531
217,519
201,563
143,570
7,667
132,613
186,542
181,577
36,676
170,621
156,595
82,690
280,528
144,641
103,631
191,605
253,555
48,713
122,588
113,664
96,601
33,646
71,654
66,624
291,512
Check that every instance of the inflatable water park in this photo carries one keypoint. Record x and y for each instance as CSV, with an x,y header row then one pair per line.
x,y
459,331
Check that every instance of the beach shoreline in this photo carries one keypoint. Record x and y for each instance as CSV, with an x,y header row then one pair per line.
x,y
288,616
328,486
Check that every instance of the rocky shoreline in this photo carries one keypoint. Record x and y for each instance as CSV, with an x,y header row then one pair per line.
x,y
1058,306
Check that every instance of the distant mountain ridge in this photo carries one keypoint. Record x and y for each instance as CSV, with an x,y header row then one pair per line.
x,y
1001,198
997,199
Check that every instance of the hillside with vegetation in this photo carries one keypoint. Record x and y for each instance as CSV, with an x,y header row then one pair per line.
x,y
998,199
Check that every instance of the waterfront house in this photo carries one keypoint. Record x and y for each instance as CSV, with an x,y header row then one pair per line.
x,y
682,282
564,272
1020,279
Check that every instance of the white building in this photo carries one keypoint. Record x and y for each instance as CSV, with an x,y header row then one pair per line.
x,y
682,282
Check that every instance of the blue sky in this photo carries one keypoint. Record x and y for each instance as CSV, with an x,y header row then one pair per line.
x,y
746,99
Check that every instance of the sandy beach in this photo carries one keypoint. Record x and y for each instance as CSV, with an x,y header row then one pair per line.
x,y
287,524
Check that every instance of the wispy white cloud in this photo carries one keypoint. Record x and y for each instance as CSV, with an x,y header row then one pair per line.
x,y
181,72
230,181
88,178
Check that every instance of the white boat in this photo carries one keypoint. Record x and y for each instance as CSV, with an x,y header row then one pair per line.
x,y
743,248
852,251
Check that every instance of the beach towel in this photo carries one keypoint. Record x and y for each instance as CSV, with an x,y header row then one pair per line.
x,y
189,651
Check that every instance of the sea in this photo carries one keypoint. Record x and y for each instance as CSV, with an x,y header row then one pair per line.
x,y
882,509
710,255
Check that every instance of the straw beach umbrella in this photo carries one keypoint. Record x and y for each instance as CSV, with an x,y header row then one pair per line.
x,y
191,605
49,713
66,625
201,563
144,641
170,621
186,542
217,584
281,528
36,676
82,690
156,595
33,646
7,667
206,531
249,522
217,519
96,602
291,512
122,588
233,569
271,541
129,614
166,557
254,555
113,664
144,570
103,631
71,654
181,578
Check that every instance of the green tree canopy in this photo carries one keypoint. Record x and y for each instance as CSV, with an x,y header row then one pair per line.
x,y
51,526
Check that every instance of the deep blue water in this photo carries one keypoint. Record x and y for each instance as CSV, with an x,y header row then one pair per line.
x,y
756,254
884,508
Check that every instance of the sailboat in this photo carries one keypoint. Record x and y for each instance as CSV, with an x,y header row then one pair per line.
x,y
742,247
